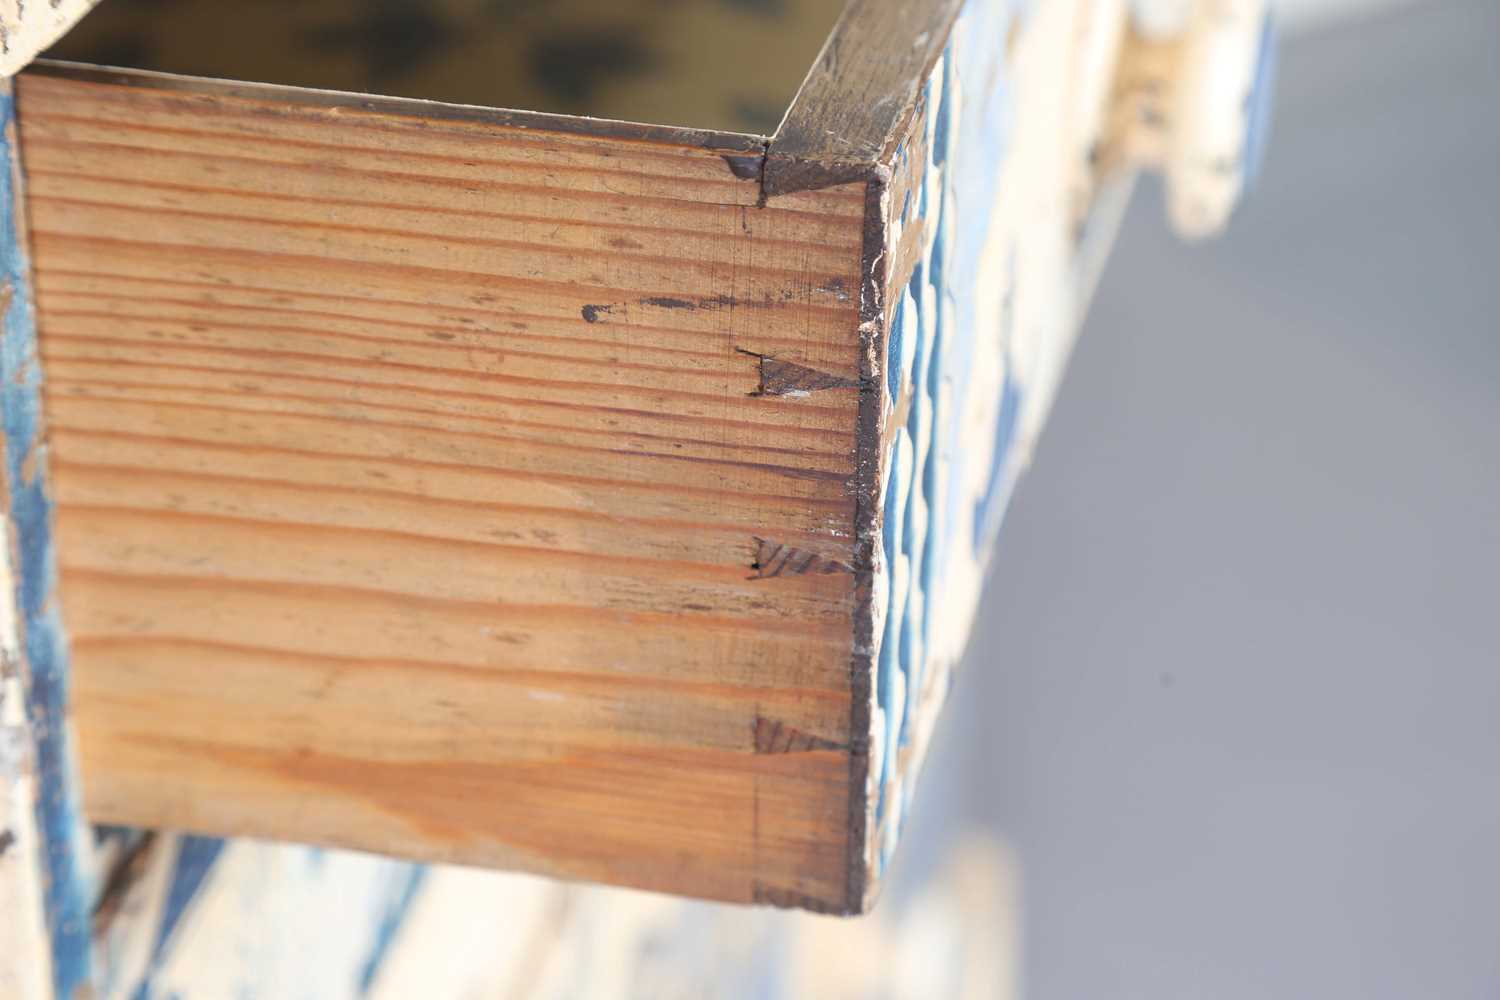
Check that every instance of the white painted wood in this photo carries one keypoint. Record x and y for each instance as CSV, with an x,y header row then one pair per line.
x,y
475,935
1191,103
1030,311
125,937
25,956
27,27
277,921
1205,156
25,947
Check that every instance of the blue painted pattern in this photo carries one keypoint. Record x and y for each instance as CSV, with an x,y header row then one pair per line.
x,y
195,858
1258,105
392,916
931,341
43,640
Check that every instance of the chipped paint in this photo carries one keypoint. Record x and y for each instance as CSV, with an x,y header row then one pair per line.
x,y
775,736
43,640
27,29
25,964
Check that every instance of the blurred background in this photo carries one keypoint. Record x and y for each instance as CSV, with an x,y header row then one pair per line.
x,y
1234,699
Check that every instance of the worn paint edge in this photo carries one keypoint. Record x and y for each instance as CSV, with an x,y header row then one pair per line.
x,y
873,264
44,645
790,173
27,31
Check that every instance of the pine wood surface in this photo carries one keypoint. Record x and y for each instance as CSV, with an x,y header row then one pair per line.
x,y
450,488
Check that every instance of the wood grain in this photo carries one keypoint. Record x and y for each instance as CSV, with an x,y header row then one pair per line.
x,y
412,471
859,96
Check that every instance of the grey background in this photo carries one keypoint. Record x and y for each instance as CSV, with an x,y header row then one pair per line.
x,y
1234,697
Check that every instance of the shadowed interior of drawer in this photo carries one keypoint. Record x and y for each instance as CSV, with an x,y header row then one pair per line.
x,y
720,64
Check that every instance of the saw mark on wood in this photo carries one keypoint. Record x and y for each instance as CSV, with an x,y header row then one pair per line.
x,y
787,378
778,559
775,736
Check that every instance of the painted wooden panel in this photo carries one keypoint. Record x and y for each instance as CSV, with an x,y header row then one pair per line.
x,y
987,282
217,920
206,918
25,944
44,846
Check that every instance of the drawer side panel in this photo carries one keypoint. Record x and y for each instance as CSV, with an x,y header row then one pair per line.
x,y
448,489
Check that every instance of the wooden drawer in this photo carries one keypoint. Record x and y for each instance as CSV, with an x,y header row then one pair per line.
x,y
553,493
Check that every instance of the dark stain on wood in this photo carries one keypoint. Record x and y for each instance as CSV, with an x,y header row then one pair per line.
x,y
746,168
7,838
668,302
592,313
710,303
862,882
